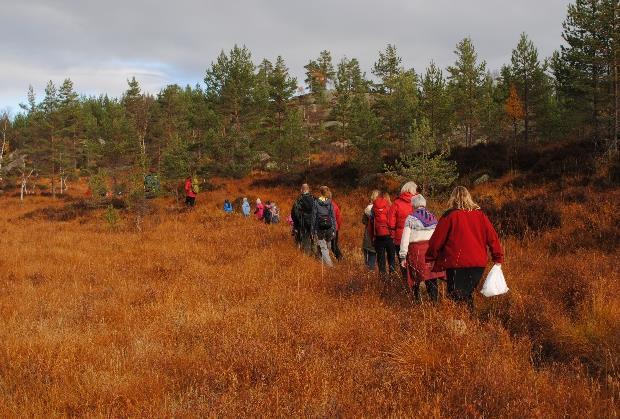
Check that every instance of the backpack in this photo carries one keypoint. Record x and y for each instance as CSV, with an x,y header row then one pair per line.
x,y
303,210
324,220
267,215
195,187
379,219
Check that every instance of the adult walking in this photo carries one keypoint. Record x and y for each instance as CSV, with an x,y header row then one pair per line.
x,y
190,192
338,216
459,246
419,228
370,255
323,224
382,240
302,219
399,211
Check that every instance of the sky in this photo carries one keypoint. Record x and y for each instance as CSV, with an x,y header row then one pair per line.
x,y
100,44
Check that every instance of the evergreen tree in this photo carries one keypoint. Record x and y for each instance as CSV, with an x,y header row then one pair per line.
x,y
396,96
365,129
424,162
291,149
350,85
319,74
465,82
137,108
435,103
281,88
528,77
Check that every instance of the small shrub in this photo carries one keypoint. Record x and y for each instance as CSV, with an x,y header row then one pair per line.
x,y
520,217
111,217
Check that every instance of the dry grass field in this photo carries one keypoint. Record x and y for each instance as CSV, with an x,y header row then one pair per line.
x,y
202,314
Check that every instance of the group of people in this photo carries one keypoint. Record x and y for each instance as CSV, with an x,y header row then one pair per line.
x,y
269,213
316,222
427,249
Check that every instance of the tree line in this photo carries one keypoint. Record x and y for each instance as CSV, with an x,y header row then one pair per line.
x,y
248,115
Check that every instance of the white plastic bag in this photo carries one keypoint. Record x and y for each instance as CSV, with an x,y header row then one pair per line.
x,y
495,283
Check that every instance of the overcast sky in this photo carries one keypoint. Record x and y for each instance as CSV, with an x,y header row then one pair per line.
x,y
99,44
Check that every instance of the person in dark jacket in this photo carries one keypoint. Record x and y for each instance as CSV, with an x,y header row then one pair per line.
x,y
370,255
302,219
323,224
459,246
380,232
334,243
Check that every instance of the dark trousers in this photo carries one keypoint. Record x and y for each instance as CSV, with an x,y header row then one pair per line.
x,y
370,258
335,247
432,289
461,284
190,201
385,247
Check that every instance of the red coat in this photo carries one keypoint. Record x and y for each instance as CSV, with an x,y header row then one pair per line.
x,y
418,268
379,225
400,209
461,239
188,189
337,215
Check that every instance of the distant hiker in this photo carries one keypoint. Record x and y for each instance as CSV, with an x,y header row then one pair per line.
x,y
380,232
399,212
459,246
338,216
228,207
302,219
323,225
370,256
151,184
260,209
419,227
268,212
275,213
190,193
245,207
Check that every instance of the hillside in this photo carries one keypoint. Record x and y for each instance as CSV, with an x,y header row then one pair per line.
x,y
196,313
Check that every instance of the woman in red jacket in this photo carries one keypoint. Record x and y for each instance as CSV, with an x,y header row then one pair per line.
x,y
380,234
459,246
399,211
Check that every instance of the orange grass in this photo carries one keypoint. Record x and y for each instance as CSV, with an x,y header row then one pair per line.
x,y
206,315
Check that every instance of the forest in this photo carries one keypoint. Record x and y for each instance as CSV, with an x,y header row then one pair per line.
x,y
248,115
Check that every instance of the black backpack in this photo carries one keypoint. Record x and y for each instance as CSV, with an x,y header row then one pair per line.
x,y
267,215
324,220
303,210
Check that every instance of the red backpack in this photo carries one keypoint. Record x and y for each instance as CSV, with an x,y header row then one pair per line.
x,y
380,217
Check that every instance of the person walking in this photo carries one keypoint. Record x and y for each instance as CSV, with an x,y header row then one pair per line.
x,y
302,219
370,255
419,228
245,207
323,224
382,240
228,207
190,193
338,216
260,209
399,212
459,246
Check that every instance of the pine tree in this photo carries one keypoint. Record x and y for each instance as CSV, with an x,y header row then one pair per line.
x,y
281,88
528,77
424,162
583,68
435,102
365,130
350,85
319,74
465,82
291,149
137,107
396,96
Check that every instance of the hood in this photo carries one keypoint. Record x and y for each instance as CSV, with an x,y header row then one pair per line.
x,y
368,210
380,204
322,201
406,196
